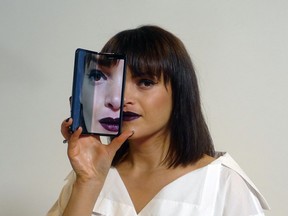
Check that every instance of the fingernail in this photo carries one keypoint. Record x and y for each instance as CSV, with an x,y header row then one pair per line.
x,y
67,119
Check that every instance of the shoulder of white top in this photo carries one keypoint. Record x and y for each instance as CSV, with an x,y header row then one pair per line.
x,y
226,160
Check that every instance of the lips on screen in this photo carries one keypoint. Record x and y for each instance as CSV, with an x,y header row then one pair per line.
x,y
97,92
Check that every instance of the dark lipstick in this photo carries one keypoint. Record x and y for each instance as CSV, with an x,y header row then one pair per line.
x,y
110,124
130,116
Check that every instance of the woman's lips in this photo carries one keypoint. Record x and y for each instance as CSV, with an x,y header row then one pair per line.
x,y
110,124
130,116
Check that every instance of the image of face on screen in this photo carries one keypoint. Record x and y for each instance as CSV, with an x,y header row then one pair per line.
x,y
101,94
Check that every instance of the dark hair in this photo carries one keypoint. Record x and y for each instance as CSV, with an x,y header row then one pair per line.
x,y
103,59
153,50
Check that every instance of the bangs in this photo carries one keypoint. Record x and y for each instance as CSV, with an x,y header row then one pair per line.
x,y
101,59
145,55
144,64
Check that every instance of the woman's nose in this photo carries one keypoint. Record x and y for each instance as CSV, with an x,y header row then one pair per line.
x,y
129,89
113,98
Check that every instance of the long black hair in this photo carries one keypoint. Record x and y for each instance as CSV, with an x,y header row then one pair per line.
x,y
155,51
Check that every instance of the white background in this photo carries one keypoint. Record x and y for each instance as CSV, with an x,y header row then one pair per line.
x,y
240,52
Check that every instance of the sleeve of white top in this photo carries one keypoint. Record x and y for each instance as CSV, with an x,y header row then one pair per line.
x,y
58,208
228,161
238,198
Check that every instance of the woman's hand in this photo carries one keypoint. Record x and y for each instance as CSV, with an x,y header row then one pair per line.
x,y
89,158
91,161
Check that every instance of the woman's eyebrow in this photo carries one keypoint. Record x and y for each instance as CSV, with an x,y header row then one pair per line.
x,y
146,75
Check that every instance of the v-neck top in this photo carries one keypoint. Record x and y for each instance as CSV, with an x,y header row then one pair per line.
x,y
218,189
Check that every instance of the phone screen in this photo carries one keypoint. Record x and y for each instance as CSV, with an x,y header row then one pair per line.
x,y
97,92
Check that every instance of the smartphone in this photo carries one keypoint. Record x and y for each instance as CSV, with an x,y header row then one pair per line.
x,y
97,92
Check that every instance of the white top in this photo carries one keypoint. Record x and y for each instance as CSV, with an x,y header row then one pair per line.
x,y
218,189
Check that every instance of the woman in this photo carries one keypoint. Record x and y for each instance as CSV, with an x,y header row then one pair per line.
x,y
101,94
164,161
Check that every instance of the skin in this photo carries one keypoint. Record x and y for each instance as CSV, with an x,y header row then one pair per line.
x,y
101,95
152,101
141,171
90,160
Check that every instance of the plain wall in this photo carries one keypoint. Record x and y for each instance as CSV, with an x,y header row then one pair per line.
x,y
239,49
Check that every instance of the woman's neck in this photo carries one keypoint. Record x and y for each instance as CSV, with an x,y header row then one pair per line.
x,y
147,154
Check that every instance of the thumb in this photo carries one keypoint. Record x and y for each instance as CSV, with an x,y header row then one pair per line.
x,y
118,141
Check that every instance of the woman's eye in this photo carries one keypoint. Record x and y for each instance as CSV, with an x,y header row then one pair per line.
x,y
146,83
96,75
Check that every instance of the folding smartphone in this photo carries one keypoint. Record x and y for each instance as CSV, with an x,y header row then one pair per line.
x,y
97,92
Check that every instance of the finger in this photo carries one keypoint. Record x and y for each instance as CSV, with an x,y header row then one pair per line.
x,y
74,138
65,128
118,141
